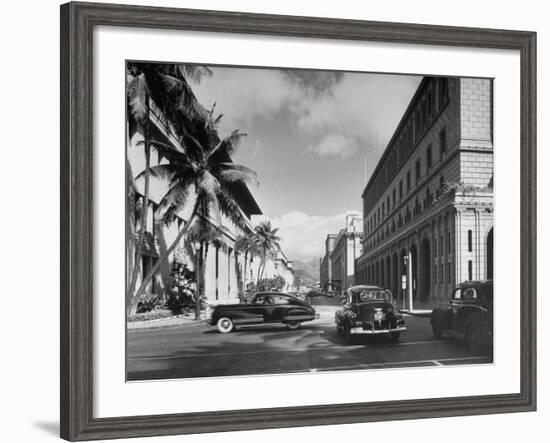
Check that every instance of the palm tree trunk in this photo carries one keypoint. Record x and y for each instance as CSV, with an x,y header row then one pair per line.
x,y
245,275
239,276
141,290
144,206
203,253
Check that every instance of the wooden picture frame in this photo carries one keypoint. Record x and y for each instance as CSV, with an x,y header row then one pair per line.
x,y
77,23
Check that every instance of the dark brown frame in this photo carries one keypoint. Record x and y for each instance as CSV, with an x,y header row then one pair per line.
x,y
77,24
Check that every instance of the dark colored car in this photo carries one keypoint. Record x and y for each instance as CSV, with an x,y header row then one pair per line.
x,y
469,315
369,311
265,308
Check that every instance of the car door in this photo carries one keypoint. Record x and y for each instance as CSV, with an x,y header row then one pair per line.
x,y
467,305
454,309
263,305
281,304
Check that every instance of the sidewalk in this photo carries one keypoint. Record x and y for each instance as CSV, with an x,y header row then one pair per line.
x,y
174,321
420,309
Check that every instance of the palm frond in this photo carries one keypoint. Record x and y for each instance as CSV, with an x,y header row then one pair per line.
x,y
232,173
160,171
230,208
229,143
138,91
194,72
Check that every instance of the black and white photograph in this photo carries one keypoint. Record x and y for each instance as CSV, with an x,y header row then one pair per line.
x,y
296,221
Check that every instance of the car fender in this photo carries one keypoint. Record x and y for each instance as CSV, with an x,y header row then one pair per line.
x,y
441,316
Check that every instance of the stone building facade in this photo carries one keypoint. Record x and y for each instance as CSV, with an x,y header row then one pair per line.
x,y
341,251
325,267
428,206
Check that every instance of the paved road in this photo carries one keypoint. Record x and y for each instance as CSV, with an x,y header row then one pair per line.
x,y
197,350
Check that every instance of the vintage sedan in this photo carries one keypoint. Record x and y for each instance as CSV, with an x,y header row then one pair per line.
x,y
469,315
369,311
265,308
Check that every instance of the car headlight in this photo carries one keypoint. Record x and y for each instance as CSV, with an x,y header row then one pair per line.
x,y
357,323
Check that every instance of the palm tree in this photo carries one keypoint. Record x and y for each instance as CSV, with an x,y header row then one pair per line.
x,y
202,174
167,87
203,234
268,243
246,244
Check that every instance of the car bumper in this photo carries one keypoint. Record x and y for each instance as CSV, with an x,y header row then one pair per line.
x,y
362,331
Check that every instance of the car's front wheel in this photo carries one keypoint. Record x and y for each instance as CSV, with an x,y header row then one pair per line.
x,y
348,336
293,324
225,325
437,325
474,337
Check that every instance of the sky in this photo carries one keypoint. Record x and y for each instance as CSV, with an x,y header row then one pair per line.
x,y
313,138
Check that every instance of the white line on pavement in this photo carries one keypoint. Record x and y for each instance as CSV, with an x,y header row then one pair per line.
x,y
403,363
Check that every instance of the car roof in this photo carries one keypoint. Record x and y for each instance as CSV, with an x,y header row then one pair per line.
x,y
358,287
286,294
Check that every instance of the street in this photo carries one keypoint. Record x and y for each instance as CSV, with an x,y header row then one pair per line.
x,y
197,350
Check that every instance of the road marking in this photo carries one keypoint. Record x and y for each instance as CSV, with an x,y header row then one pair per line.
x,y
404,363
272,351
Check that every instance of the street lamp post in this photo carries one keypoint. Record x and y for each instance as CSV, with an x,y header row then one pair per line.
x,y
404,279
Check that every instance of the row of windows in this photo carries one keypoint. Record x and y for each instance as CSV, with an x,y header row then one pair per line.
x,y
415,124
403,216
391,200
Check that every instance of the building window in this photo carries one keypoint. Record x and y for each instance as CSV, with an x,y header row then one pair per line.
x,y
469,269
441,245
429,157
435,246
441,279
469,240
400,190
449,272
383,209
449,242
388,203
408,181
393,195
435,274
443,91
418,172
428,197
443,141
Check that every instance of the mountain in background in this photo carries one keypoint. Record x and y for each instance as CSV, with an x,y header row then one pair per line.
x,y
307,271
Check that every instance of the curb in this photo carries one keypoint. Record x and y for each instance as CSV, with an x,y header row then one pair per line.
x,y
168,322
417,312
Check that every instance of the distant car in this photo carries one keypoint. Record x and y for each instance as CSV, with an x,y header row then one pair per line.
x,y
265,308
369,311
313,293
469,315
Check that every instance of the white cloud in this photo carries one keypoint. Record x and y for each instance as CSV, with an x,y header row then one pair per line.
x,y
365,107
337,145
362,107
242,94
303,236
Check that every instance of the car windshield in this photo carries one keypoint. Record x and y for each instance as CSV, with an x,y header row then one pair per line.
x,y
364,295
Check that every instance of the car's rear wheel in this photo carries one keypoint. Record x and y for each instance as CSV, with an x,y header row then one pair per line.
x,y
293,324
225,325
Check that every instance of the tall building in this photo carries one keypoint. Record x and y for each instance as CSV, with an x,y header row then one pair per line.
x,y
325,267
341,251
428,206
